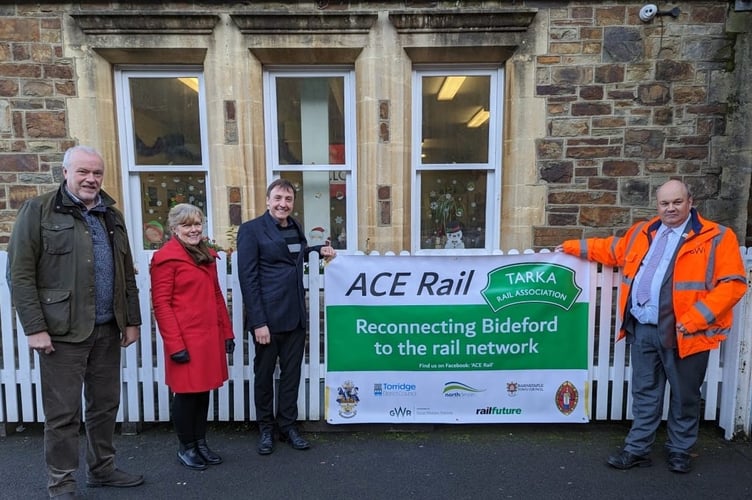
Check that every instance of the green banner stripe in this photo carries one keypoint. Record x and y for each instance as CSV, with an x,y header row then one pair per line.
x,y
457,337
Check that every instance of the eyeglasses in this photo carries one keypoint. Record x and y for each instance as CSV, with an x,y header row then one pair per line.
x,y
192,225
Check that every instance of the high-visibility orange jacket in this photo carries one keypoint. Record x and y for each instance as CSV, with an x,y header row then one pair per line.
x,y
708,278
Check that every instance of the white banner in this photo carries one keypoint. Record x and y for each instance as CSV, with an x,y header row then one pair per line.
x,y
457,339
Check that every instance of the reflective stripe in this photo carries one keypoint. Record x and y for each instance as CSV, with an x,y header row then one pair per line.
x,y
710,268
583,249
710,332
733,277
685,286
633,239
706,313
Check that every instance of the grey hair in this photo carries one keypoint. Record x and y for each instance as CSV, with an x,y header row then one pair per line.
x,y
182,213
75,149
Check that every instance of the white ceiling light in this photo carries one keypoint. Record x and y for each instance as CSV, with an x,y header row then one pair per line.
x,y
479,118
450,87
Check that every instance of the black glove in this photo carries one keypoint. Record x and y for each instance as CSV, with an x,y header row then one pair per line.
x,y
180,356
229,346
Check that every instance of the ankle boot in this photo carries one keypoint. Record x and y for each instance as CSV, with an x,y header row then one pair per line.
x,y
207,454
189,456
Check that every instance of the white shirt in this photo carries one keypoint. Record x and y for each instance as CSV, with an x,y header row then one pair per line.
x,y
648,312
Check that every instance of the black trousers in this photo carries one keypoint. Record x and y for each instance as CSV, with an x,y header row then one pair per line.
x,y
189,414
288,347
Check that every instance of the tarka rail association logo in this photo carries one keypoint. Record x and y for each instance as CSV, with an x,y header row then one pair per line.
x,y
567,397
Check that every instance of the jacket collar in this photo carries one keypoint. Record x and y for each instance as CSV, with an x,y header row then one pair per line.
x,y
64,203
173,250
695,223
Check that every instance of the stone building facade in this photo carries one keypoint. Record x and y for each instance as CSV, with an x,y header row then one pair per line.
x,y
591,109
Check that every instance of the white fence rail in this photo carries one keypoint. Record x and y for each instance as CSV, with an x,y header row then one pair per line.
x,y
145,397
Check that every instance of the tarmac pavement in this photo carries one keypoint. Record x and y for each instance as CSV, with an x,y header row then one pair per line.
x,y
512,461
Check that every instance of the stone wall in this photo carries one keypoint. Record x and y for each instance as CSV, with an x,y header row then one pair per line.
x,y
632,104
624,105
35,81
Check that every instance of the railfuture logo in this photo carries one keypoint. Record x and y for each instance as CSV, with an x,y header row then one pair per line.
x,y
390,389
496,410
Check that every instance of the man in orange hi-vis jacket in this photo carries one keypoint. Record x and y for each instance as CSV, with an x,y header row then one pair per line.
x,y
681,276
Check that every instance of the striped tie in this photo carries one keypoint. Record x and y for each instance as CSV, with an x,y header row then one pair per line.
x,y
643,287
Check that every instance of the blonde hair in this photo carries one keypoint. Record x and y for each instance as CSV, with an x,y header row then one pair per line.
x,y
182,213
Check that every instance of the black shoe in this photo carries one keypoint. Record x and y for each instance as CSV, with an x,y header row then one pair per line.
x,y
295,439
189,456
679,462
68,495
265,442
117,478
207,454
626,460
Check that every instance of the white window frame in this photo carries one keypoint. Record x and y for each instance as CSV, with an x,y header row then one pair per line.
x,y
493,167
274,168
130,169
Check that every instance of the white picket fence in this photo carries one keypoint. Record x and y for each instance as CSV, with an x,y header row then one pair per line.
x,y
145,397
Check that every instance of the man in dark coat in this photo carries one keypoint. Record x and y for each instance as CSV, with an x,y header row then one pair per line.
x,y
271,252
74,288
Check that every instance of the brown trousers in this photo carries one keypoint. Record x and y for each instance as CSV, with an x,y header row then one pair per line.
x,y
94,366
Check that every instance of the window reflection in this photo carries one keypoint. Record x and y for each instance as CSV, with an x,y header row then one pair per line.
x,y
455,119
165,113
310,120
453,209
162,191
320,206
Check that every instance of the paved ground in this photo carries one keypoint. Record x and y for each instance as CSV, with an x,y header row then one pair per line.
x,y
379,462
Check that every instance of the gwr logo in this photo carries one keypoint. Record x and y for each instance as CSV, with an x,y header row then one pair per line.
x,y
400,412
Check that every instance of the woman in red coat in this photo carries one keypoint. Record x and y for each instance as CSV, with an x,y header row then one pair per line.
x,y
195,327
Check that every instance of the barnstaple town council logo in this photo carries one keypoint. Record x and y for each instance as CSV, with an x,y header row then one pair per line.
x,y
347,397
566,397
515,388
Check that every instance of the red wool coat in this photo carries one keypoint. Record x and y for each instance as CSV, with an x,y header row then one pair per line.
x,y
191,314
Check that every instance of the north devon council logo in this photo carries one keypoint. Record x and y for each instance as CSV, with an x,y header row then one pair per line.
x,y
459,390
347,398
567,397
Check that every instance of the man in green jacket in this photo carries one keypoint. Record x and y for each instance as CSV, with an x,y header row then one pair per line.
x,y
73,284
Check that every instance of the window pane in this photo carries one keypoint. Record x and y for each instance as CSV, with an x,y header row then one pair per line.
x,y
320,206
310,120
453,209
450,133
166,123
159,193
